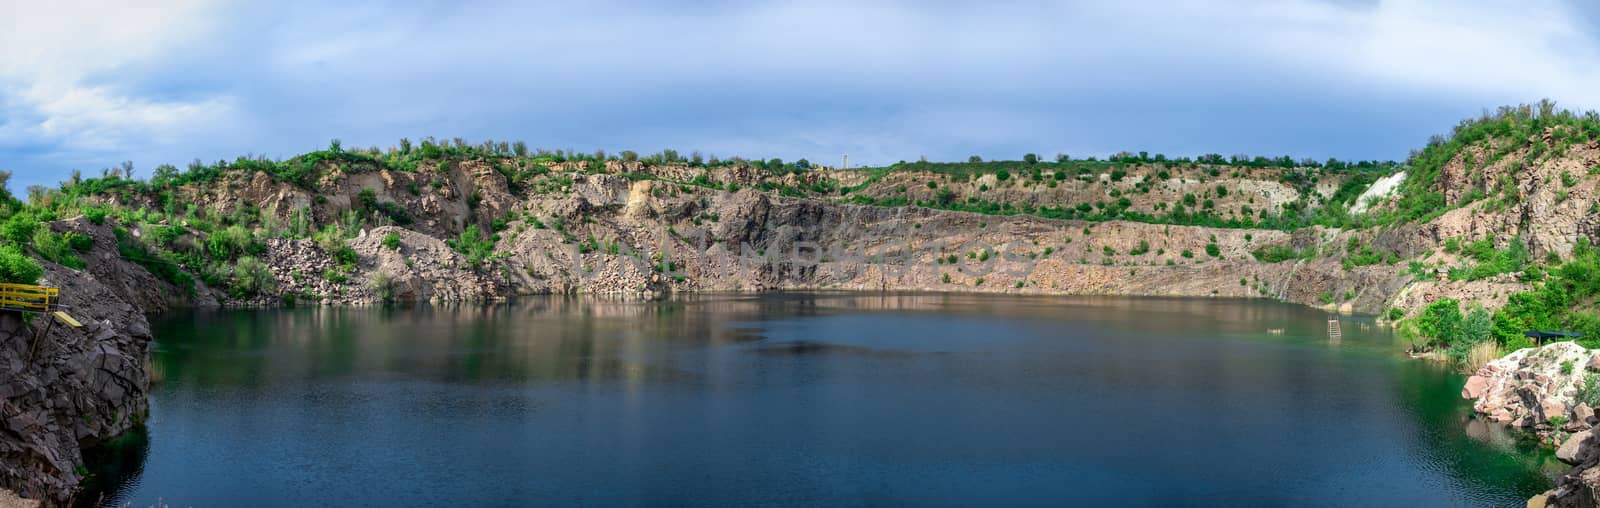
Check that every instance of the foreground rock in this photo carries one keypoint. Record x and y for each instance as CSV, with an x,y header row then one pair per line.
x,y
1528,388
1540,389
70,388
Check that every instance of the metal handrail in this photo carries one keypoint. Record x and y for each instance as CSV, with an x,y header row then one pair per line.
x,y
29,297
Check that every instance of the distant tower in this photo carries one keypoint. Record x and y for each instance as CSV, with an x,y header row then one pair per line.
x,y
845,164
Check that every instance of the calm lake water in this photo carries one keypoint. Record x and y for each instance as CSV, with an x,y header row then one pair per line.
x,y
806,399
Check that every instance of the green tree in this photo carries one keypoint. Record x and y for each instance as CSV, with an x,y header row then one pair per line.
x,y
1440,320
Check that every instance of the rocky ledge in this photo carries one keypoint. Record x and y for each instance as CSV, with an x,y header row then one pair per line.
x,y
65,388
1546,390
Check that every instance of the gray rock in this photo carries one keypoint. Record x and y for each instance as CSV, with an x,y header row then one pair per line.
x,y
83,385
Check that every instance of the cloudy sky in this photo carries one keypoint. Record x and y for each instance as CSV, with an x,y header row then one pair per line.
x,y
86,84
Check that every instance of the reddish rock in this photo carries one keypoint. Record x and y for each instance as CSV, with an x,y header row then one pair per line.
x,y
1476,387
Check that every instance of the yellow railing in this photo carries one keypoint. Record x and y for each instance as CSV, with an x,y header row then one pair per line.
x,y
28,297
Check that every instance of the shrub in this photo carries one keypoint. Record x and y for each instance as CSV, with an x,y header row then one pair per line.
x,y
19,227
95,214
18,268
250,276
1589,391
1188,254
160,263
230,243
57,248
345,256
392,240
472,244
1213,250
1144,247
1278,254
79,241
382,285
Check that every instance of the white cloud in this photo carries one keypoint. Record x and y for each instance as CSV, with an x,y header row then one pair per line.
x,y
883,80
58,79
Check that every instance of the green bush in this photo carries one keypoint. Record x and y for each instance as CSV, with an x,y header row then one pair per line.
x,y
19,227
57,248
18,268
250,276
96,215
80,242
1213,250
1143,247
345,256
229,243
160,263
1491,261
1589,391
1279,253
474,245
392,241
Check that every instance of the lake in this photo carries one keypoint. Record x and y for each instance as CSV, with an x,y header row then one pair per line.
x,y
805,399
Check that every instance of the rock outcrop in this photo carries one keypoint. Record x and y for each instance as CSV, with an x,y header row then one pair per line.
x,y
67,387
1529,387
1542,389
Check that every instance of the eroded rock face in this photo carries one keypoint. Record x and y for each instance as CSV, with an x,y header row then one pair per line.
x,y
68,387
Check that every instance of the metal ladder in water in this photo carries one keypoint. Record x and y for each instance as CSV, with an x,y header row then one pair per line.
x,y
1334,332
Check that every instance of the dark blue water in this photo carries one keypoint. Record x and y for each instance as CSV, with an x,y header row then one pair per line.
x,y
926,400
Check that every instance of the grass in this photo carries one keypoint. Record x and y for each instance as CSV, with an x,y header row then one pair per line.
x,y
1481,354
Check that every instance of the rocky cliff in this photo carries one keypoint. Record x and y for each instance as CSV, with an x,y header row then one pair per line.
x,y
616,232
66,387
635,227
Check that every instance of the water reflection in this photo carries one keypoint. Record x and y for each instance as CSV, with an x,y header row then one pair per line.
x,y
926,399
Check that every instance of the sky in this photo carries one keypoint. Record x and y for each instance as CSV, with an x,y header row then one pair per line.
x,y
88,84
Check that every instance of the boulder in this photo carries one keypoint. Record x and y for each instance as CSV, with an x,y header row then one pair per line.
x,y
1477,387
1569,450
